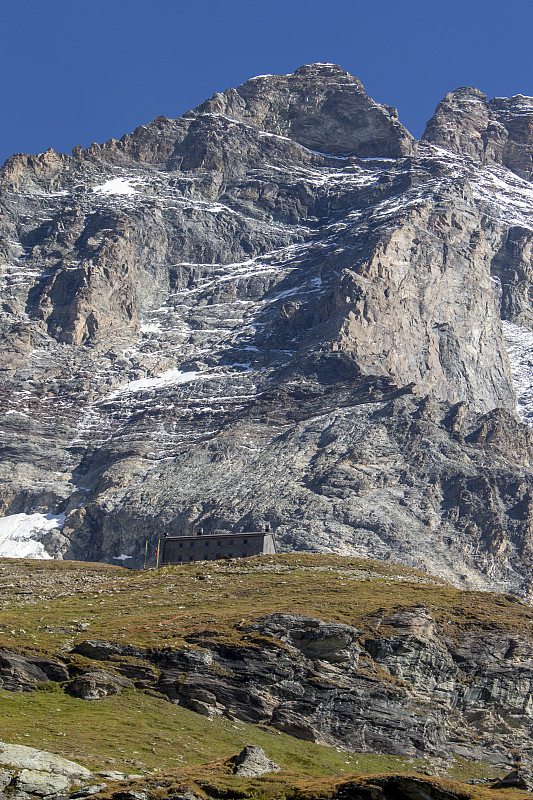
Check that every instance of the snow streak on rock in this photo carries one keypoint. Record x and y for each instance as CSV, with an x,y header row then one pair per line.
x,y
519,343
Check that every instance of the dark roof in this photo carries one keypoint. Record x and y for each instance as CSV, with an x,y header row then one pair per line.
x,y
219,535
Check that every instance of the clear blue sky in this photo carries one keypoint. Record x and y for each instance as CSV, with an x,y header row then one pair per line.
x,y
74,72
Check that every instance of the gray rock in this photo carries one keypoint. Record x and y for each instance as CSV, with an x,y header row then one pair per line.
x,y
101,651
114,775
130,794
517,779
94,685
252,762
87,791
6,776
28,758
18,673
313,637
41,783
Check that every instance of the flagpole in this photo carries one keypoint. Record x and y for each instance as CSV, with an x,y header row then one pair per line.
x,y
145,554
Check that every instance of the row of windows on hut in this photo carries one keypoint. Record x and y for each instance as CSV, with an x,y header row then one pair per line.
x,y
178,549
209,546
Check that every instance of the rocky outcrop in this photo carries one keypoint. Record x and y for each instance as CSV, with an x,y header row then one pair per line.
x,y
409,684
418,692
498,131
20,673
95,684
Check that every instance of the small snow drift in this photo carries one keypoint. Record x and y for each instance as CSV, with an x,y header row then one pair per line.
x,y
115,186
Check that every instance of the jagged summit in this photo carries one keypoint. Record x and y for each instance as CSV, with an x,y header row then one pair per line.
x,y
320,106
498,131
277,308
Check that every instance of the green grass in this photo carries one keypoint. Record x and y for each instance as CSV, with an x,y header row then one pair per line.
x,y
158,609
135,731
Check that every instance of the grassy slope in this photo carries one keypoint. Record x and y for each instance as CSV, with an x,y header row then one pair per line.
x,y
71,602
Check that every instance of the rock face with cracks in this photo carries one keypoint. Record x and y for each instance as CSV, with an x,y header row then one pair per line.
x,y
410,685
279,308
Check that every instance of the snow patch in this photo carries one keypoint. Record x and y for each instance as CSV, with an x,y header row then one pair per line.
x,y
121,557
21,534
151,327
168,378
519,344
115,186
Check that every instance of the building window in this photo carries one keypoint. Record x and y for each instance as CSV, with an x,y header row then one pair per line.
x,y
218,555
180,544
191,544
230,555
191,558
245,541
179,558
230,541
244,554
219,544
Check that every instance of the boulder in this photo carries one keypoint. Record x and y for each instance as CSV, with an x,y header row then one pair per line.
x,y
252,762
29,758
87,791
517,779
97,684
129,794
41,783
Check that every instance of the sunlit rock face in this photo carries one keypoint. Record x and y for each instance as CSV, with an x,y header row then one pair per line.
x,y
279,308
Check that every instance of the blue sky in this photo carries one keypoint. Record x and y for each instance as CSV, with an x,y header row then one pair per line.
x,y
76,72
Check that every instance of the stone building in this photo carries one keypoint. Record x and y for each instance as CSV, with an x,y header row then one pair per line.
x,y
209,547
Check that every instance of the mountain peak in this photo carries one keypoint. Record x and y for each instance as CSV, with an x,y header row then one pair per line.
x,y
319,69
319,106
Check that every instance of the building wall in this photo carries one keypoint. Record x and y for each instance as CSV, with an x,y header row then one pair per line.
x,y
208,548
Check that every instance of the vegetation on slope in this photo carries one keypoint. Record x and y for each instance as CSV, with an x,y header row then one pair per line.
x,y
47,607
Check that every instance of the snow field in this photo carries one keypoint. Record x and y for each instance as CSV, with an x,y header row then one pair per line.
x,y
21,534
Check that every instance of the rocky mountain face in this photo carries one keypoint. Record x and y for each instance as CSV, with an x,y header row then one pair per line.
x,y
278,308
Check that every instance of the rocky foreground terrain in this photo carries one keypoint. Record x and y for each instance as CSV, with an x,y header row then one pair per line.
x,y
355,678
279,308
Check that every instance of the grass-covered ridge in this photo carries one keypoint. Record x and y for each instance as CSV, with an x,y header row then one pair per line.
x,y
73,601
47,607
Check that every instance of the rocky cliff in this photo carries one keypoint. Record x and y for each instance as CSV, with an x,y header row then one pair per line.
x,y
278,308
